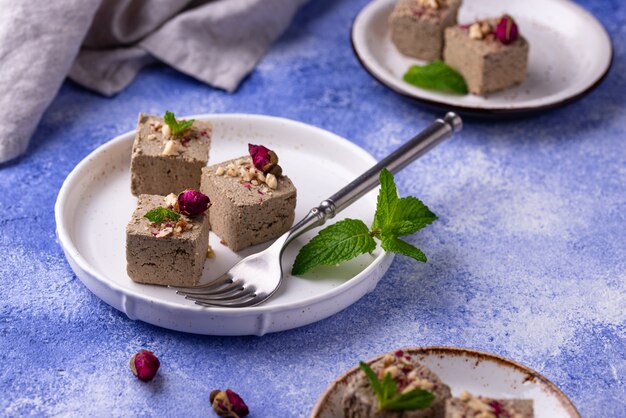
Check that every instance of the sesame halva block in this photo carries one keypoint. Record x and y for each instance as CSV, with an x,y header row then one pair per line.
x,y
487,64
417,26
169,253
248,207
161,163
359,400
468,406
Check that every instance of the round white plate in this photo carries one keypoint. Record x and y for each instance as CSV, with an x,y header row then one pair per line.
x,y
477,372
95,204
570,53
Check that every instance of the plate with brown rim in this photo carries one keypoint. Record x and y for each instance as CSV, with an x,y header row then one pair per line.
x,y
478,372
570,54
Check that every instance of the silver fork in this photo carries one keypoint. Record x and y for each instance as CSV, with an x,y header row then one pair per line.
x,y
257,277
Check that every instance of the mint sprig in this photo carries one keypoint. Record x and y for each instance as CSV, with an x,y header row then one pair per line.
x,y
386,392
339,242
176,126
160,214
438,76
346,239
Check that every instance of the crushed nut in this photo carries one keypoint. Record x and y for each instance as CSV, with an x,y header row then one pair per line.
x,y
387,360
210,253
485,28
475,31
165,232
392,370
170,200
465,396
231,166
254,182
167,132
171,148
151,137
239,161
271,181
260,176
220,171
433,4
231,172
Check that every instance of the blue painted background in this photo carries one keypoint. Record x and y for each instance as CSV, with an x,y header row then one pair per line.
x,y
528,259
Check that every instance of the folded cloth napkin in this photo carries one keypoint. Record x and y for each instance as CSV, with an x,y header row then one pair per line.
x,y
216,41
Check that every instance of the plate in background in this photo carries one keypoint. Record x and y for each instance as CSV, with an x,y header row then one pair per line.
x,y
95,204
477,372
570,54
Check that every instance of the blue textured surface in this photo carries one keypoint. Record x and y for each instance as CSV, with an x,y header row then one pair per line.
x,y
528,259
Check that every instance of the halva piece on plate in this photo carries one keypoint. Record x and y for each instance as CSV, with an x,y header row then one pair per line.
x,y
416,26
490,54
360,401
468,406
251,200
163,161
167,239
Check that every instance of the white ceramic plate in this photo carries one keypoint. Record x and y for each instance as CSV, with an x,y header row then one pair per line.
x,y
478,372
95,203
570,53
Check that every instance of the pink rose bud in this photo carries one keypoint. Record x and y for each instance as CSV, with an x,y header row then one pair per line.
x,y
227,403
264,159
144,365
507,31
193,203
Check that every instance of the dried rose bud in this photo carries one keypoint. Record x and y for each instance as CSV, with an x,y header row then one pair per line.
x,y
193,203
227,403
264,159
506,30
144,365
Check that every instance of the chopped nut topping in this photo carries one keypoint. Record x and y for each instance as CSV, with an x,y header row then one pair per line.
x,y
239,161
171,148
475,31
433,4
485,28
465,396
167,132
231,172
392,370
170,200
165,232
387,360
210,253
231,166
151,137
271,181
220,171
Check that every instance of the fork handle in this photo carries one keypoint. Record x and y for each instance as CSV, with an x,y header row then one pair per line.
x,y
419,145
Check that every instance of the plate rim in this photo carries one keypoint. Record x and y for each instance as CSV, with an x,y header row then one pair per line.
x,y
496,111
458,351
71,251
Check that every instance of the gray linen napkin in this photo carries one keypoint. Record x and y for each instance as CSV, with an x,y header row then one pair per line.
x,y
216,41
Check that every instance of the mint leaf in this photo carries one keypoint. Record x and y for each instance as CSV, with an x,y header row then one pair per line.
x,y
176,126
386,202
160,214
410,401
438,76
409,216
396,245
387,396
339,242
375,383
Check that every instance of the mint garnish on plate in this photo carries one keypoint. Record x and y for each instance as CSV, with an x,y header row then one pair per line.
x,y
346,239
436,75
386,392
177,126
